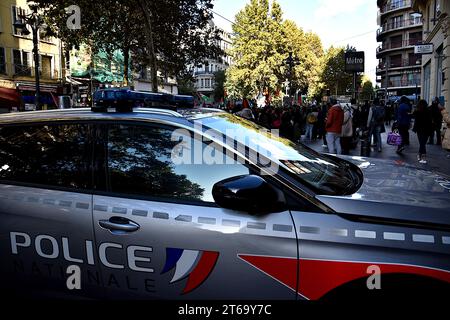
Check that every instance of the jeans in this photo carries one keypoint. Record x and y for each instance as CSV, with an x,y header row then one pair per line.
x,y
423,137
436,130
309,131
377,136
404,133
334,143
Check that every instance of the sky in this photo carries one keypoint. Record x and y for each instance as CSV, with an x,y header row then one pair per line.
x,y
337,23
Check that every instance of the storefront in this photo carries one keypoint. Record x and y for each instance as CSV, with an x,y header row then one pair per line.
x,y
9,100
48,95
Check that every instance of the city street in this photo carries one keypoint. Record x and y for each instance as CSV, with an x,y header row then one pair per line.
x,y
438,158
147,152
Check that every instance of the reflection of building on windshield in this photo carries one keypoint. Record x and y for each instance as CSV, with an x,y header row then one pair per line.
x,y
250,134
296,167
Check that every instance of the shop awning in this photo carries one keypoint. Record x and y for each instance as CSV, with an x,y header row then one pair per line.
x,y
9,98
72,81
32,87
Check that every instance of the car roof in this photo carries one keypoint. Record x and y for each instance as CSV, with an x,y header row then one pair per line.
x,y
182,116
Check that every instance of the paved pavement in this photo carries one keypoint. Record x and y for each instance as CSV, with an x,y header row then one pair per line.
x,y
438,158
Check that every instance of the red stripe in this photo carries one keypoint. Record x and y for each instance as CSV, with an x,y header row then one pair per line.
x,y
201,271
318,277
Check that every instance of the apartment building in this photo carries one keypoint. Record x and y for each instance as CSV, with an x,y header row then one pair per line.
x,y
17,73
400,29
204,80
436,64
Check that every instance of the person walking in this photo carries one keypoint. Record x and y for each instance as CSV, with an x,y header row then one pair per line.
x,y
446,118
423,126
311,120
347,128
436,117
333,126
403,118
375,123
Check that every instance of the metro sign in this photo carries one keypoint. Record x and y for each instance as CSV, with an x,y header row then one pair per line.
x,y
426,48
354,61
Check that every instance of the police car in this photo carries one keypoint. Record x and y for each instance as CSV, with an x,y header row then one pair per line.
x,y
159,204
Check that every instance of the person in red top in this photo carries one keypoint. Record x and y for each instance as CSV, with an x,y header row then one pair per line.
x,y
333,126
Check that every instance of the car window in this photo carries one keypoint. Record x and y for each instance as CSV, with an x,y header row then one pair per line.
x,y
54,155
324,174
141,162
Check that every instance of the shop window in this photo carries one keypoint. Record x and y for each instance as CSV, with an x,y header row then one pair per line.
x,y
2,61
21,60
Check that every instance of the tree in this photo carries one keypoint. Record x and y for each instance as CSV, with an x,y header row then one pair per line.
x,y
307,48
262,43
334,76
166,35
367,89
219,88
258,51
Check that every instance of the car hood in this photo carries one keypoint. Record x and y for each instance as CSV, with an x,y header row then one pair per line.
x,y
393,190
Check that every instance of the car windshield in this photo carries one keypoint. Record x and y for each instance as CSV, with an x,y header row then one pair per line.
x,y
324,174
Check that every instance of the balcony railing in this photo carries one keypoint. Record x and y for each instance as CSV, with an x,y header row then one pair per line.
x,y
400,64
399,24
403,83
21,70
395,5
398,44
198,73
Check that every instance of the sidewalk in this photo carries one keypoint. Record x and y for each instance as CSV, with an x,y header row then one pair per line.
x,y
438,158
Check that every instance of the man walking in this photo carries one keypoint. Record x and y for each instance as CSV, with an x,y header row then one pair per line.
x,y
403,118
333,127
375,122
436,118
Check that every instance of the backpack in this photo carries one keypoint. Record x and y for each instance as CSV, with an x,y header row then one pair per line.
x,y
311,118
378,114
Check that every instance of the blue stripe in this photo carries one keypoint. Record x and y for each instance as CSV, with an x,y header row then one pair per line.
x,y
173,255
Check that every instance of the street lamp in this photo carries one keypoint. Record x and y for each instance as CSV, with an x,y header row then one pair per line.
x,y
35,22
291,62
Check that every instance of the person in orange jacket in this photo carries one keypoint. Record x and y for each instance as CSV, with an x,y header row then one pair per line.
x,y
333,126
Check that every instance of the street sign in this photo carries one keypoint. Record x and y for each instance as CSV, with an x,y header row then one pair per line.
x,y
426,48
354,61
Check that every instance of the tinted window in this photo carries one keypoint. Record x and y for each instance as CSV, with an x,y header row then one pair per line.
x,y
55,155
324,174
140,162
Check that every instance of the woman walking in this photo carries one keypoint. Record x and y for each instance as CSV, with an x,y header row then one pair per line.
x,y
423,126
403,118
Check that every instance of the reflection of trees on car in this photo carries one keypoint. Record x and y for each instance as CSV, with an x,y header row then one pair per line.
x,y
140,163
53,154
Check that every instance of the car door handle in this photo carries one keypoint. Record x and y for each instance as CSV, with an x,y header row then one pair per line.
x,y
119,224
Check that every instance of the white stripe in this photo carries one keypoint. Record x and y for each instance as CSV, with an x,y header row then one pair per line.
x,y
394,236
185,264
446,240
365,234
423,238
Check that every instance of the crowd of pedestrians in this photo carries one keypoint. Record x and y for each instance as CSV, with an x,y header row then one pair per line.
x,y
340,125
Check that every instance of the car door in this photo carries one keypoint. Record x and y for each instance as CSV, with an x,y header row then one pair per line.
x,y
46,210
160,234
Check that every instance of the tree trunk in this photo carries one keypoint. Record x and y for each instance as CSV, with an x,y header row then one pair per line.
x,y
150,45
126,61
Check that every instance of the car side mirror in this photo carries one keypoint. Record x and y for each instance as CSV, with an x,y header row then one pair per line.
x,y
249,193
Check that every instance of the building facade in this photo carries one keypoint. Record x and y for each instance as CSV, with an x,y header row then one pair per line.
x,y
143,81
204,79
399,68
436,65
17,75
